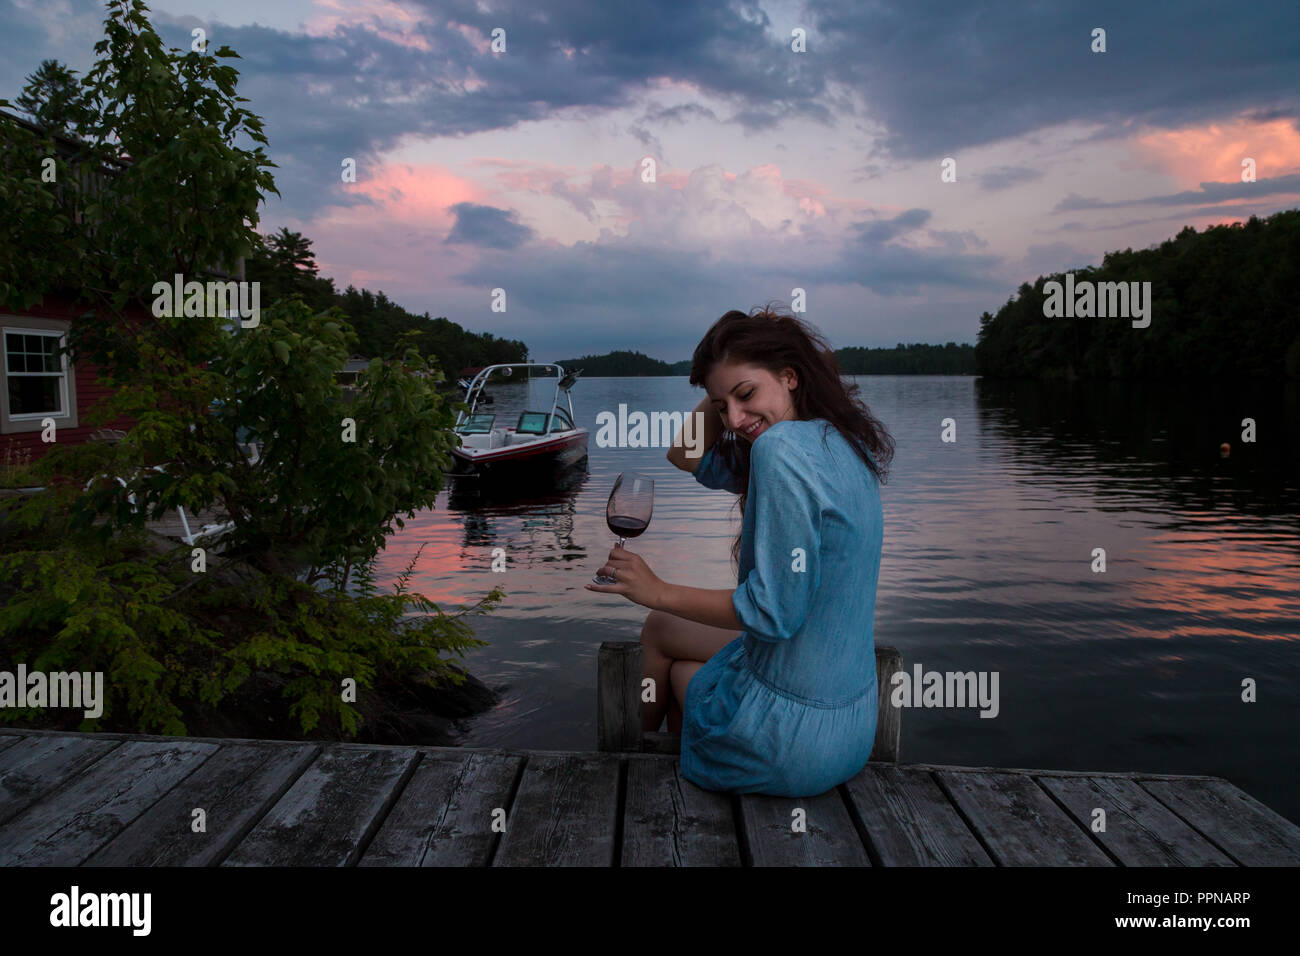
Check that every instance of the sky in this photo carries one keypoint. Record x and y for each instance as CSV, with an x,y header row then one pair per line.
x,y
775,168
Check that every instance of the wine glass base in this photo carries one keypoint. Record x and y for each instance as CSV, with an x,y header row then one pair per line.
x,y
602,579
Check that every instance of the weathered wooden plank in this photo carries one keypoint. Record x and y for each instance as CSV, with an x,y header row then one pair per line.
x,y
618,696
1039,772
8,740
234,788
33,766
1019,823
1248,831
669,821
829,837
329,811
444,815
1140,830
86,812
565,813
909,820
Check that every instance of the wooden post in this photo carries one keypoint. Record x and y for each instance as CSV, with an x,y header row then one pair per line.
x,y
618,696
889,719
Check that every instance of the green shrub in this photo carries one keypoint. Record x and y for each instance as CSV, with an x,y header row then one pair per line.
x,y
170,642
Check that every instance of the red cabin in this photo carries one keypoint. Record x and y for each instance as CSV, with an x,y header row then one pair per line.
x,y
37,386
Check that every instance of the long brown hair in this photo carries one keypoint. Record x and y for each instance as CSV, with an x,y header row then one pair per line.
x,y
774,340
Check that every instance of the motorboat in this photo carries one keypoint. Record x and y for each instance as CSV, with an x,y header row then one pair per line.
x,y
535,440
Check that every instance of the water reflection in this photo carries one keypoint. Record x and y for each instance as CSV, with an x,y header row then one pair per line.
x,y
490,514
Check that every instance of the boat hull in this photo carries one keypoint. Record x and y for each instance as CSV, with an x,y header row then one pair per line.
x,y
562,451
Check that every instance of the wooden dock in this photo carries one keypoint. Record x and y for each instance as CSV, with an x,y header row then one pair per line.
x,y
116,799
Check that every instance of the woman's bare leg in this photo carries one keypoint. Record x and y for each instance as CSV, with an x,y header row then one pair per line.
x,y
679,675
666,638
655,665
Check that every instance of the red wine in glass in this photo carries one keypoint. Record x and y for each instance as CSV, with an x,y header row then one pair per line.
x,y
631,504
626,526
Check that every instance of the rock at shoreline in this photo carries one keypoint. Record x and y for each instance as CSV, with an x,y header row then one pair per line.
x,y
429,716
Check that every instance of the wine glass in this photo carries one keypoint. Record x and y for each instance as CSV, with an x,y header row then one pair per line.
x,y
631,504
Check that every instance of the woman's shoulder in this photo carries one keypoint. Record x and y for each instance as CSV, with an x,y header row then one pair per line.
x,y
808,435
814,441
793,446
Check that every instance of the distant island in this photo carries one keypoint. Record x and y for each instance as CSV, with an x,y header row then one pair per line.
x,y
916,359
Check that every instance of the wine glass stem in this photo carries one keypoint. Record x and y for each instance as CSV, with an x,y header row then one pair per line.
x,y
621,542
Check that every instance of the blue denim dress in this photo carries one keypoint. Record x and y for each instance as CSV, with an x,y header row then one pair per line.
x,y
789,707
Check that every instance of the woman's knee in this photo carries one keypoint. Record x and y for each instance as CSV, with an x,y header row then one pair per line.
x,y
652,631
672,637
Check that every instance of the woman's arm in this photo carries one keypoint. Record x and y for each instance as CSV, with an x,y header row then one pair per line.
x,y
700,604
712,429
635,581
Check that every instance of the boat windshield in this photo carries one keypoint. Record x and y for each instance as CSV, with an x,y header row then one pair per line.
x,y
480,423
531,423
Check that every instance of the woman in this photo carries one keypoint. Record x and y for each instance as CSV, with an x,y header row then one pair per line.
x,y
787,706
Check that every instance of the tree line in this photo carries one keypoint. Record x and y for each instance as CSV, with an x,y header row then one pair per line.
x,y
285,265
1223,303
915,359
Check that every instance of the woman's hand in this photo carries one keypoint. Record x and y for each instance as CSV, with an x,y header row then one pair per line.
x,y
634,579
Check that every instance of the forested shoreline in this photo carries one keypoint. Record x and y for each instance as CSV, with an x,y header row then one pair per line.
x,y
286,265
1222,304
915,359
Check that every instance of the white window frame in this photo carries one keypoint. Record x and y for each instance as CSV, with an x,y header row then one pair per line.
x,y
31,421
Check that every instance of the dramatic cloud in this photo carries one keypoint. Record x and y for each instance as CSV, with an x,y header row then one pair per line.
x,y
353,89
941,78
488,227
878,232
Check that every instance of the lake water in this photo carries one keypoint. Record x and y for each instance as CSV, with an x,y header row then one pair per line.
x,y
986,567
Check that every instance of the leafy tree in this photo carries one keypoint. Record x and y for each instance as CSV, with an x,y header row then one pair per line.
x,y
165,183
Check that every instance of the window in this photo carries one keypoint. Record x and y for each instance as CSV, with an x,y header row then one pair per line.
x,y
36,377
36,381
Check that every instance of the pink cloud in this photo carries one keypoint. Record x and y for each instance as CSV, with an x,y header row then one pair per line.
x,y
396,241
480,41
411,193
523,176
385,18
1214,153
615,197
